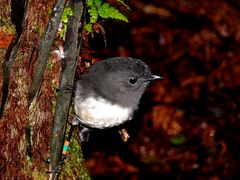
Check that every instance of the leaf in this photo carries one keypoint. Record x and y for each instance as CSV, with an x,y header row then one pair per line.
x,y
88,27
93,14
106,11
89,3
97,8
97,3
66,13
64,19
178,140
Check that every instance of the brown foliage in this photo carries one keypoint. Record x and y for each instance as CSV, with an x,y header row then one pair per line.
x,y
190,120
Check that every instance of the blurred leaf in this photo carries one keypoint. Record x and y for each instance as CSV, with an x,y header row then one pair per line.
x,y
88,27
178,140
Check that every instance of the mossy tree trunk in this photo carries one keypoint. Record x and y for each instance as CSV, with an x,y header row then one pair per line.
x,y
25,129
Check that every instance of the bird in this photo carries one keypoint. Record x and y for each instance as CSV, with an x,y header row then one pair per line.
x,y
109,94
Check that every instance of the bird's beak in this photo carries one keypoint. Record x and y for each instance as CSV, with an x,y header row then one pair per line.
x,y
154,77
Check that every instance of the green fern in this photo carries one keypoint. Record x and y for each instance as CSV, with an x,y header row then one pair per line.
x,y
97,8
93,14
107,11
89,3
67,12
88,27
97,2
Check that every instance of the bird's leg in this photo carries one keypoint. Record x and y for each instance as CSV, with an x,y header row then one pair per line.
x,y
124,134
83,131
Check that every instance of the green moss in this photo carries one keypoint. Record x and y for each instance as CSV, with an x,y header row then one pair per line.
x,y
74,164
49,63
38,29
6,24
8,29
37,173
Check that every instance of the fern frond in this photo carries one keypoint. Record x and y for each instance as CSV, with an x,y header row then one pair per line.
x,y
66,13
107,11
123,3
89,3
97,3
88,27
96,9
93,14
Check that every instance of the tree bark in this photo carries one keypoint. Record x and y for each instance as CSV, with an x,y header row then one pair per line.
x,y
45,47
25,131
25,125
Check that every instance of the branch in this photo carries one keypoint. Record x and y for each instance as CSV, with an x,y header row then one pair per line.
x,y
45,47
151,9
67,80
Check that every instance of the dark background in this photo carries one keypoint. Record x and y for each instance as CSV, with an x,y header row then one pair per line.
x,y
187,125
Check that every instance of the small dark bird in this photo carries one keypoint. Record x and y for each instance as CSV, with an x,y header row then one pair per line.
x,y
110,92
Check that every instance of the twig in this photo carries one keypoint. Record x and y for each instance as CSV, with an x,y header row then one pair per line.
x,y
67,80
45,47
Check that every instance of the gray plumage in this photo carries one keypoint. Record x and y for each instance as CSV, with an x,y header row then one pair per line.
x,y
110,92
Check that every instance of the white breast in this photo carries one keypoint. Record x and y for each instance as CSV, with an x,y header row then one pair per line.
x,y
99,113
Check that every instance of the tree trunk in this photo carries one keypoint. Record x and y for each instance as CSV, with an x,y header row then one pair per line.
x,y
25,130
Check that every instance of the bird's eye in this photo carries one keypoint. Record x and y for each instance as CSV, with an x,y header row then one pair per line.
x,y
133,80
